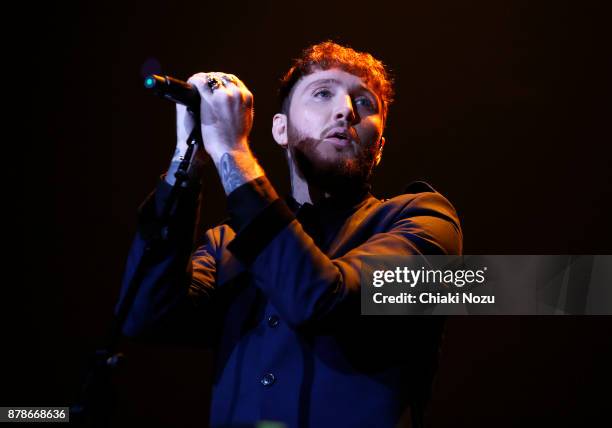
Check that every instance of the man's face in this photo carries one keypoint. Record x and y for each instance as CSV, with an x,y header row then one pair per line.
x,y
334,129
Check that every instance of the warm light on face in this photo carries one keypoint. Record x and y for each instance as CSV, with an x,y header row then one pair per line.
x,y
334,129
327,99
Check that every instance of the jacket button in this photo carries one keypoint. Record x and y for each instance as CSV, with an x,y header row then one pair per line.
x,y
267,379
273,320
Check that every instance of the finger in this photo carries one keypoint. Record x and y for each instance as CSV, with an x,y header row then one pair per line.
x,y
248,96
226,79
228,85
240,88
235,80
234,85
200,81
209,85
204,83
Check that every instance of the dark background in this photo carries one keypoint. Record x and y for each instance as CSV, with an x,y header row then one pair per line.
x,y
503,106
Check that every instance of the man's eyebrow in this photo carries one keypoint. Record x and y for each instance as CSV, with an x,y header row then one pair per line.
x,y
321,81
338,82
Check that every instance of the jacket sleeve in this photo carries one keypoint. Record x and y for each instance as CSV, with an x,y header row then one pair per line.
x,y
174,283
303,283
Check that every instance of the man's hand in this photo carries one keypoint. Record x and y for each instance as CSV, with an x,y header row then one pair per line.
x,y
226,119
226,112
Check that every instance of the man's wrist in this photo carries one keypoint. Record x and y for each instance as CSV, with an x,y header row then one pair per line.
x,y
236,167
217,150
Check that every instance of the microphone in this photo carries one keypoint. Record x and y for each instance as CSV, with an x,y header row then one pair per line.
x,y
174,90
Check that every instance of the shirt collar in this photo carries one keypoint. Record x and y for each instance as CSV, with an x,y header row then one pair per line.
x,y
347,201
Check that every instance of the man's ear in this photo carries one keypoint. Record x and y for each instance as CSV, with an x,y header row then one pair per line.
x,y
381,144
279,129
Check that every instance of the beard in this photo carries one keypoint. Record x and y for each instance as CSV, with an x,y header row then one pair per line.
x,y
328,168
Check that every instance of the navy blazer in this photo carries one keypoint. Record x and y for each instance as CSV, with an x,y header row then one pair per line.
x,y
276,293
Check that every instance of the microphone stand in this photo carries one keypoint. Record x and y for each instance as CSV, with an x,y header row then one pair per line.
x,y
96,400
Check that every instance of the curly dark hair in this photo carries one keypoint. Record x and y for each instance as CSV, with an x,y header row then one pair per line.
x,y
326,55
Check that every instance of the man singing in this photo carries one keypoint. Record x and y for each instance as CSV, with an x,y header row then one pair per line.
x,y
275,290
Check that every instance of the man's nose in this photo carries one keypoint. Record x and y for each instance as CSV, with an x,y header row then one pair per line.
x,y
345,110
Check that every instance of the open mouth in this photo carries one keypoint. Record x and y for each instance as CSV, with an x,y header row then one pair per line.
x,y
339,137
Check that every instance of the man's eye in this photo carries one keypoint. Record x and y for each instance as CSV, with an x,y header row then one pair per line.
x,y
323,93
363,101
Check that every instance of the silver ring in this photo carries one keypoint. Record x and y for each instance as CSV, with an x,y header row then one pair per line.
x,y
228,79
213,83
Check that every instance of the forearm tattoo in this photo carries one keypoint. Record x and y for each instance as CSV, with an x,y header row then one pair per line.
x,y
232,176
